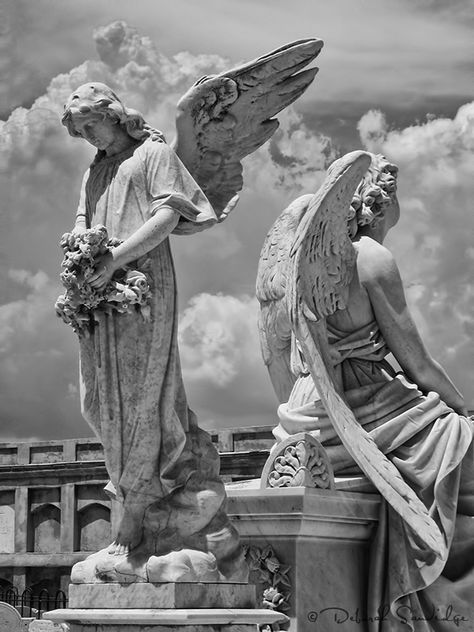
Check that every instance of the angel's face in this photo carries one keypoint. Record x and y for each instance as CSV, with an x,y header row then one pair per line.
x,y
392,209
391,214
99,131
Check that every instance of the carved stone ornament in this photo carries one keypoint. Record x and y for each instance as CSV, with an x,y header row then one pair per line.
x,y
270,576
299,461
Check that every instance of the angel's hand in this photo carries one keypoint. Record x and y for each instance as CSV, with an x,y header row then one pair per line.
x,y
190,228
103,271
79,229
228,209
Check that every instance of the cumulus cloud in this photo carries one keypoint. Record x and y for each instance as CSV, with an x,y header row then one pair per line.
x,y
19,318
435,236
223,371
30,343
218,337
40,172
372,129
294,161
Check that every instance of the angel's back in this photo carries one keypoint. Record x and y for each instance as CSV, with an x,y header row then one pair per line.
x,y
360,311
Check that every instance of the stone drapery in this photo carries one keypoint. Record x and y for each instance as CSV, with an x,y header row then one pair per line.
x,y
432,448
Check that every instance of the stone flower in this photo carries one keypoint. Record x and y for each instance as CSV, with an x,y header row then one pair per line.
x,y
128,289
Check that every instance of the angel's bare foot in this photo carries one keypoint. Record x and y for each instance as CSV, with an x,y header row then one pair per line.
x,y
129,534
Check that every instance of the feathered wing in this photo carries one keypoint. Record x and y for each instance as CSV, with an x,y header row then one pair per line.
x,y
322,261
274,322
223,118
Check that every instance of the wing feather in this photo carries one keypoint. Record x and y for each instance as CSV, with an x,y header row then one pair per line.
x,y
224,118
322,244
274,323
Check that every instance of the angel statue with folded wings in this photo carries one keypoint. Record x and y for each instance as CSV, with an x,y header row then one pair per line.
x,y
332,310
138,190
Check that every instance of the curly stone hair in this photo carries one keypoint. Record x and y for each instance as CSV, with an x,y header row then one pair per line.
x,y
374,194
98,98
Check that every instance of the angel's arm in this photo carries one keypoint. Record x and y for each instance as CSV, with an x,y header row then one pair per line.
x,y
170,184
380,276
81,218
173,195
151,234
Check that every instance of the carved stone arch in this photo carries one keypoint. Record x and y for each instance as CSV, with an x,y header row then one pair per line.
x,y
93,530
45,529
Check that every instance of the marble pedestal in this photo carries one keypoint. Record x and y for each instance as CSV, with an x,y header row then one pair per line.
x,y
323,536
171,607
155,620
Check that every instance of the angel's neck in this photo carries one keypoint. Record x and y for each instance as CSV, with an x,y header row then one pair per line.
x,y
376,232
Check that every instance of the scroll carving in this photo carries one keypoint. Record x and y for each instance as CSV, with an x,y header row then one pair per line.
x,y
299,461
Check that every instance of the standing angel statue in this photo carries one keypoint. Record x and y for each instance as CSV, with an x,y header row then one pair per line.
x,y
163,468
332,310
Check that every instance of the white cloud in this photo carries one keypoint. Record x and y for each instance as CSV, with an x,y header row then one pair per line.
x,y
434,238
293,162
372,129
225,377
40,185
226,380
36,358
20,318
218,338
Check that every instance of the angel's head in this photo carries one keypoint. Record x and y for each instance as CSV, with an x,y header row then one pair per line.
x,y
97,103
375,199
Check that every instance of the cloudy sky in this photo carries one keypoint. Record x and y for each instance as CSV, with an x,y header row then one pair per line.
x,y
395,77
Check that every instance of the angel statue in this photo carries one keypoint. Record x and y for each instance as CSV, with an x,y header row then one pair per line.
x,y
138,190
349,367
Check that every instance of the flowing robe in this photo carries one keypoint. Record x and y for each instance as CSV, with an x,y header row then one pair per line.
x,y
131,386
432,448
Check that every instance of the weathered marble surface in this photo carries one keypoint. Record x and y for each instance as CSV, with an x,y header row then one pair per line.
x,y
163,469
333,310
296,511
231,627
185,565
184,595
298,461
323,535
42,625
156,618
10,620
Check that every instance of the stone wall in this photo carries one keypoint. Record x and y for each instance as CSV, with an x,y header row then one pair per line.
x,y
54,512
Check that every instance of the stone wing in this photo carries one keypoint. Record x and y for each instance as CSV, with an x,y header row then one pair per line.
x,y
223,118
274,322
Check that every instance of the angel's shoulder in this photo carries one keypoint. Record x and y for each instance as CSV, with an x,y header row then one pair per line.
x,y
375,262
155,155
152,146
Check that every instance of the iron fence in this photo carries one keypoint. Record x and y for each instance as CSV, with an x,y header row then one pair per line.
x,y
32,604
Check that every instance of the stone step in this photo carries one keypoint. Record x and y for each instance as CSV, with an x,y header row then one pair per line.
x,y
169,595
166,620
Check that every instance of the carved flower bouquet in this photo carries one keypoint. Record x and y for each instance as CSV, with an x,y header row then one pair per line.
x,y
128,290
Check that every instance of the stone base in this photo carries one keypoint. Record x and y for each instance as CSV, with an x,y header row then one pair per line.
x,y
231,627
170,595
308,551
160,620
